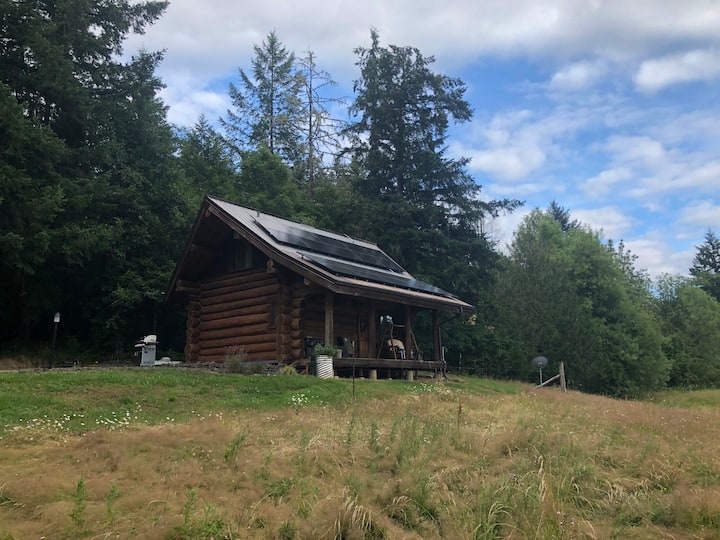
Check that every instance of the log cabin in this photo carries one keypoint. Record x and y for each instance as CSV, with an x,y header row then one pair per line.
x,y
274,288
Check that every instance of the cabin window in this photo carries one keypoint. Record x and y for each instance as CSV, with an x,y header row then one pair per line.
x,y
242,256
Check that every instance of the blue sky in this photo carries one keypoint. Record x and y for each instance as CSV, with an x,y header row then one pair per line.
x,y
611,108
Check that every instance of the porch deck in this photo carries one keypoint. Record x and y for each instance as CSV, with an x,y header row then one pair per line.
x,y
387,363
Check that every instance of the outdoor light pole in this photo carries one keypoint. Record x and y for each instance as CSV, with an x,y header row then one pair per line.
x,y
56,320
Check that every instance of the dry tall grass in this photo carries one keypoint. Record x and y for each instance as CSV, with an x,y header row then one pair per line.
x,y
439,463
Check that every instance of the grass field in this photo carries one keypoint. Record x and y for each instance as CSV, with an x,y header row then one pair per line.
x,y
177,453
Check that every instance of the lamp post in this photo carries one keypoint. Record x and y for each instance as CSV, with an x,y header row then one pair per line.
x,y
56,321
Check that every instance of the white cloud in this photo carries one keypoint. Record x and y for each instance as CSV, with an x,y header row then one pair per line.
x,y
516,144
216,36
612,221
697,65
705,177
704,214
640,150
607,181
189,104
656,255
577,76
508,163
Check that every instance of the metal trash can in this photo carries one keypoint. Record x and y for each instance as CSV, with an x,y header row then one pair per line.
x,y
324,366
147,348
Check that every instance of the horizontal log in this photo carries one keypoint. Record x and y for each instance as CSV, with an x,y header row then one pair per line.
x,y
193,323
239,288
231,322
237,312
237,281
247,275
226,344
258,293
260,347
286,339
241,331
234,304
230,334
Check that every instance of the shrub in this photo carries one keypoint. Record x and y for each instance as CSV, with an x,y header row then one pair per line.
x,y
236,361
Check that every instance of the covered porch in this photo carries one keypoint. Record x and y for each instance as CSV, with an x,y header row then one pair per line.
x,y
375,338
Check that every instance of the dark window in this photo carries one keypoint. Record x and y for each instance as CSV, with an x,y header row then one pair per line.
x,y
242,256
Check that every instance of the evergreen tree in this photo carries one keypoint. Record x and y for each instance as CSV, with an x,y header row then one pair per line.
x,y
418,204
31,197
562,216
403,111
107,180
142,195
706,265
58,57
206,163
266,184
267,109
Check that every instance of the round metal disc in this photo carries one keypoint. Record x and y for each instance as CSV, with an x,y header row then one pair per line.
x,y
539,362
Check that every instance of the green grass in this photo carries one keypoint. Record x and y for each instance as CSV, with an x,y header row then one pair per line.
x,y
154,396
688,398
180,453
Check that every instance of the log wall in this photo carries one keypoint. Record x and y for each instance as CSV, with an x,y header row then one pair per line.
x,y
236,310
192,332
269,312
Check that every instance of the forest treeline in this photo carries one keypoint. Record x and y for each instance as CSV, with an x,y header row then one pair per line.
x,y
98,192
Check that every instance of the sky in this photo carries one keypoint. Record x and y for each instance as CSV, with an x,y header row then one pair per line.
x,y
611,108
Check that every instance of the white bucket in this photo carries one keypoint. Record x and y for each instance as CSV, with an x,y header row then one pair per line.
x,y
324,367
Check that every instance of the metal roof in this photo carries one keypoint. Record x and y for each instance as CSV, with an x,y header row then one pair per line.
x,y
338,262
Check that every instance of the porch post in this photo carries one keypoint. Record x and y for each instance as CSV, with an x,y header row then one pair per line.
x,y
436,335
329,318
372,329
408,333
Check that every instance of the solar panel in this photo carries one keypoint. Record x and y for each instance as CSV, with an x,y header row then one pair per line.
x,y
318,242
375,275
